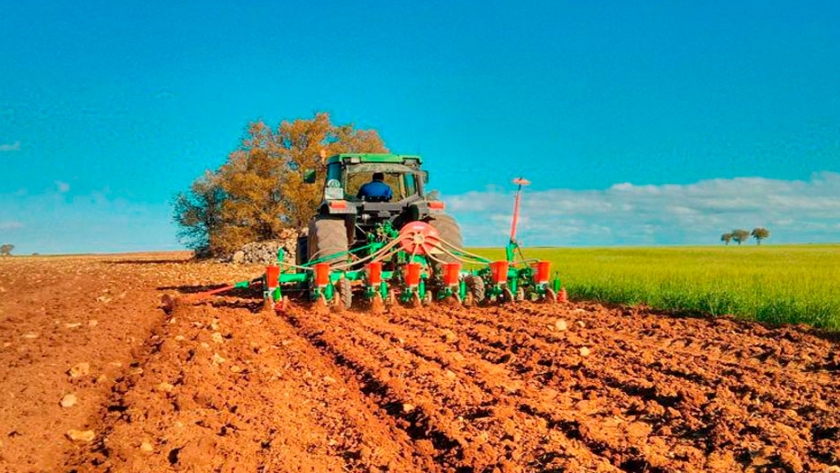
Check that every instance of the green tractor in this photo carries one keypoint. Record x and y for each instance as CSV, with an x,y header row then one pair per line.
x,y
350,223
347,220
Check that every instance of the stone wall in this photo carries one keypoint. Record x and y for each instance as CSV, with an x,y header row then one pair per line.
x,y
265,252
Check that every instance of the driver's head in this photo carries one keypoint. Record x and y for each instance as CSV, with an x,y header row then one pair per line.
x,y
378,176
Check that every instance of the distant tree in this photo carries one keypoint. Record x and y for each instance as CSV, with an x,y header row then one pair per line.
x,y
759,234
6,250
726,238
740,235
259,190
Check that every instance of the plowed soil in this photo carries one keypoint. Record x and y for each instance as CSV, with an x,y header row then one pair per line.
x,y
225,386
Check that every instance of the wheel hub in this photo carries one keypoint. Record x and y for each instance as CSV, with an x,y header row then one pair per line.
x,y
419,238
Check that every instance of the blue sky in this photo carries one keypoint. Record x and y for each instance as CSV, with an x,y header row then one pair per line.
x,y
651,123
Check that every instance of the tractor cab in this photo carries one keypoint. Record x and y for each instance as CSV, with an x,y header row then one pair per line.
x,y
347,174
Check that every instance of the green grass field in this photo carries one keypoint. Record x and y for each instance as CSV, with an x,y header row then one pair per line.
x,y
777,284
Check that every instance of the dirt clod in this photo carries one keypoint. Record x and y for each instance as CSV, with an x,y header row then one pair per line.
x,y
79,369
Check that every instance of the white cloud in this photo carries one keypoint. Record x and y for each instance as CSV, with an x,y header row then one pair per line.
x,y
10,147
625,213
62,186
11,225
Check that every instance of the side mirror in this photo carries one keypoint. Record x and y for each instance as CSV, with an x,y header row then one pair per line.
x,y
309,176
425,176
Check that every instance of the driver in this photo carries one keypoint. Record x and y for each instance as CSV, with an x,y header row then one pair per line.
x,y
376,190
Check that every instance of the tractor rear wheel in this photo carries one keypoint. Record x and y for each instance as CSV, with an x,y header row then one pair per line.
x,y
327,237
302,253
450,233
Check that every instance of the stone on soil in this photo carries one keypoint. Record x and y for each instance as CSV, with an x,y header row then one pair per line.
x,y
80,435
68,400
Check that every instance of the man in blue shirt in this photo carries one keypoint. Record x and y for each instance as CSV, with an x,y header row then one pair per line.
x,y
376,190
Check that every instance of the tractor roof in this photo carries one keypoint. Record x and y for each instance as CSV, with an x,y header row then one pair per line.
x,y
356,158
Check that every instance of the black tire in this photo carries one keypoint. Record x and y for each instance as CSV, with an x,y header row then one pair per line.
x,y
450,232
327,236
550,296
302,253
507,296
345,292
476,291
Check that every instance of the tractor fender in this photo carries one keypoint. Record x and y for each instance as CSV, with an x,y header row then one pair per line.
x,y
420,210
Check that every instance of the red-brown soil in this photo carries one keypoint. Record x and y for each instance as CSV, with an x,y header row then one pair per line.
x,y
225,386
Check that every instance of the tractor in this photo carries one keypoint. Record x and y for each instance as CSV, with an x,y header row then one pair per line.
x,y
349,224
348,221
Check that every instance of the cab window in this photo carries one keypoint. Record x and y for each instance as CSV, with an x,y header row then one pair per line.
x,y
355,181
410,185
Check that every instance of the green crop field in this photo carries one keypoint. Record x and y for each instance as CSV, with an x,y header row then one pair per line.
x,y
778,284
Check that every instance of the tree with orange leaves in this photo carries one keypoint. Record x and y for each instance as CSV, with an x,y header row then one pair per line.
x,y
259,191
